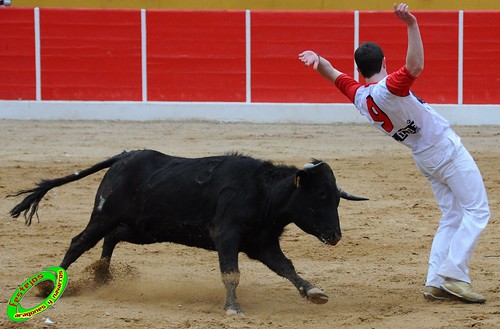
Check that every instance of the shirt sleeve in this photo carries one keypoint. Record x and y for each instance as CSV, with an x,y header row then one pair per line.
x,y
347,85
400,81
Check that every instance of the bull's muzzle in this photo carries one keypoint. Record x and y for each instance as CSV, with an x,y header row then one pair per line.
x,y
335,239
332,240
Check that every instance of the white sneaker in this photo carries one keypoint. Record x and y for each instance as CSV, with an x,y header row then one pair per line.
x,y
435,293
462,290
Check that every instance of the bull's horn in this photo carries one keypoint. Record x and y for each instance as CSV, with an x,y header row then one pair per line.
x,y
347,196
311,166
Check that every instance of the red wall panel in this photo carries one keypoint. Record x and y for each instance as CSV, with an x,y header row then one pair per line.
x,y
481,58
17,54
196,56
438,83
200,55
277,40
91,54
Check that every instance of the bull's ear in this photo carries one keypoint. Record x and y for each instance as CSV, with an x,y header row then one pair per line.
x,y
299,176
308,168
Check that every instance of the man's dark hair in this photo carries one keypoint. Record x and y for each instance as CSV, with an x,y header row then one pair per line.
x,y
369,58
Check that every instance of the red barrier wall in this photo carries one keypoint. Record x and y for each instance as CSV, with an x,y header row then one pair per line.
x,y
196,56
201,55
277,40
481,57
17,54
90,54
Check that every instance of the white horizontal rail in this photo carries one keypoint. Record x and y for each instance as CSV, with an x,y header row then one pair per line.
x,y
223,112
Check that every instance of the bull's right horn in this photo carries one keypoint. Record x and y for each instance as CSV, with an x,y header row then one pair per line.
x,y
344,195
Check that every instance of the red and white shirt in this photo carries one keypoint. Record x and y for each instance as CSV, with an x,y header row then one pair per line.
x,y
390,106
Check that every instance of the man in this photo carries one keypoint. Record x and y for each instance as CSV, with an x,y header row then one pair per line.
x,y
389,105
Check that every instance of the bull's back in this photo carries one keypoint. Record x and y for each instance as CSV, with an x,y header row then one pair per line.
x,y
192,189
176,199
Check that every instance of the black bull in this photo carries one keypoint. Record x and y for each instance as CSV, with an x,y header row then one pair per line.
x,y
230,203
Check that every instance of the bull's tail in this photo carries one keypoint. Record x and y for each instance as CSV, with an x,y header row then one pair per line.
x,y
29,206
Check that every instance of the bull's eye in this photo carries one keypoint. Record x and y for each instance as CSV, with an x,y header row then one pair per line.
x,y
322,194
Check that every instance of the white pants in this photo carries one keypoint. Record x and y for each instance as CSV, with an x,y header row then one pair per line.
x,y
459,190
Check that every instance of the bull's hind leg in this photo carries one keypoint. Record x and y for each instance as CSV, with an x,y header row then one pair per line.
x,y
98,227
125,233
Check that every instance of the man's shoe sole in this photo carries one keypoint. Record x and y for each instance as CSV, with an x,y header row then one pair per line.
x,y
444,296
433,298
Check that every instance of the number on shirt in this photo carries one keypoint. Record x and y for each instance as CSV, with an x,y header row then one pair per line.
x,y
378,115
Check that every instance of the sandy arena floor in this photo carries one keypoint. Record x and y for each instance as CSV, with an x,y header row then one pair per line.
x,y
374,276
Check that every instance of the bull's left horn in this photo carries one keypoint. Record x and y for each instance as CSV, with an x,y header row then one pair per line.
x,y
311,166
344,195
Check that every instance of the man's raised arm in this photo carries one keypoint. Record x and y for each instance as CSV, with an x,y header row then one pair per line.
x,y
320,64
415,54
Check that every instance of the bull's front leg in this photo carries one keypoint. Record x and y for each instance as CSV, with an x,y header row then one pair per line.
x,y
228,249
273,257
231,281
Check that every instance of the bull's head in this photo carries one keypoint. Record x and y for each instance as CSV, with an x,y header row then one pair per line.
x,y
315,201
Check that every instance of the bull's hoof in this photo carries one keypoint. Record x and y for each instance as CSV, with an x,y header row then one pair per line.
x,y
44,288
316,296
233,309
100,271
233,312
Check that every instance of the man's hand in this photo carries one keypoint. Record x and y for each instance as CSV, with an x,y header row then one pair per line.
x,y
309,57
402,12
